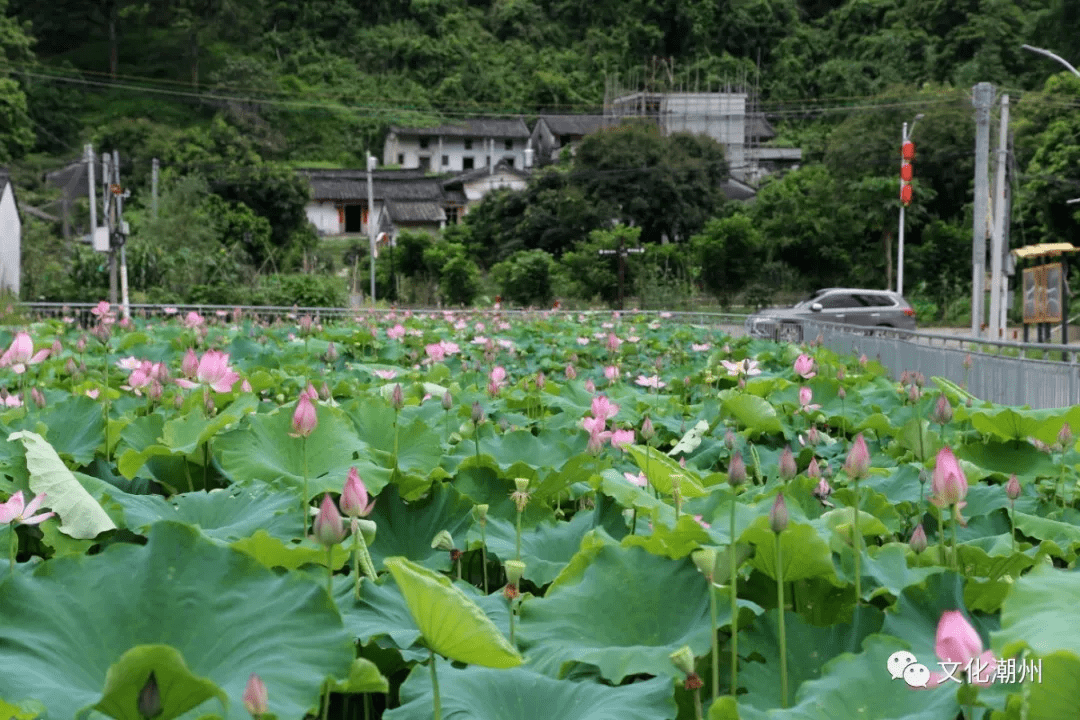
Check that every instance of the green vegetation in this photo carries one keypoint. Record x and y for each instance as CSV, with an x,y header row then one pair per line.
x,y
232,95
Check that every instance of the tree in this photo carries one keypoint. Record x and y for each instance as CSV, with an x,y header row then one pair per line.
x,y
527,278
667,186
729,252
598,275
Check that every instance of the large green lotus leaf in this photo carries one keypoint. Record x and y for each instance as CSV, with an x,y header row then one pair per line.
x,y
450,623
1005,458
419,449
19,712
884,570
755,414
548,449
676,543
364,677
914,618
76,427
273,552
545,549
179,689
81,516
860,686
809,648
225,614
1020,423
660,470
261,450
407,528
484,694
1040,612
482,484
624,612
223,514
804,553
612,484
1063,535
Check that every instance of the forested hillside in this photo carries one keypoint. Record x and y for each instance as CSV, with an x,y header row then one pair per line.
x,y
230,95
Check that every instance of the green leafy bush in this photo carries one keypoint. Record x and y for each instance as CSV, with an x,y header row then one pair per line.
x,y
526,278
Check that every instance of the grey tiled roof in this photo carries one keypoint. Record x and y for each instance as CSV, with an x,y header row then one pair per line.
x,y
415,211
758,127
387,184
475,127
573,124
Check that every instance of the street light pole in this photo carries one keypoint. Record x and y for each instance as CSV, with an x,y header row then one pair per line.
x,y
905,136
1052,56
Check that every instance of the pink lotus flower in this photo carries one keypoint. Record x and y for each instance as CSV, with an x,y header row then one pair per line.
x,y
959,646
498,376
804,367
613,343
652,381
193,320
214,372
746,367
436,352
256,699
857,464
328,528
21,353
622,439
949,486
805,396
103,313
597,434
611,372
354,497
571,373
93,393
640,480
129,363
700,347
386,374
583,341
305,419
190,364
16,511
396,333
590,386
918,540
603,408
701,521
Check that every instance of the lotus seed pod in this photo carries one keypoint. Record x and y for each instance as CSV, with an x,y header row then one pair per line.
x,y
683,659
705,560
521,484
443,541
514,570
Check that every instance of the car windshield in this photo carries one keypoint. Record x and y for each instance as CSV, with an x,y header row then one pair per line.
x,y
811,298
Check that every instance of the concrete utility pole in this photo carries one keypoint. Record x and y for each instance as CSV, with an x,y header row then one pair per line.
x,y
905,136
982,99
121,233
371,221
110,221
997,247
155,168
88,155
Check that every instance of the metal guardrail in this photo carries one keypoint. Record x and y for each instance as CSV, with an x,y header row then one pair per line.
x,y
1002,372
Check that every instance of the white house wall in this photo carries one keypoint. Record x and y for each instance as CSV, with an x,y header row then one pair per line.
x,y
477,189
10,243
406,152
324,216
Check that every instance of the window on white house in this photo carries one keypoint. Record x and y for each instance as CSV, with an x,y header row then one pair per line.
x,y
467,163
445,160
509,144
425,162
424,142
509,160
451,215
401,159
468,143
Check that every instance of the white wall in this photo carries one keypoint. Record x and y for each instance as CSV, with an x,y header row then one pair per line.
x,y
10,243
324,216
475,190
406,152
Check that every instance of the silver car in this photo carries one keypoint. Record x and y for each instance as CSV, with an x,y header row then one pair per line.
x,y
850,306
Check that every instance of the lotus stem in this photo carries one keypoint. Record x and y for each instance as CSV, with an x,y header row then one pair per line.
x,y
955,558
206,466
698,712
783,635
395,439
106,404
941,534
734,605
633,522
367,706
330,571
512,623
304,498
715,642
13,547
476,441
517,539
436,703
483,554
1012,523
1061,483
326,704
856,543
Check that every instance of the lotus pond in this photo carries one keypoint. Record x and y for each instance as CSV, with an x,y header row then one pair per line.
x,y
499,516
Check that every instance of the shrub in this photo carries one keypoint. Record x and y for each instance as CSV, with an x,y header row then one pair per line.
x,y
526,278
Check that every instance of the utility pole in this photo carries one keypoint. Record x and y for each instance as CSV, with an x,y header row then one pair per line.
x,y
121,233
110,220
905,197
982,99
155,168
88,155
622,252
997,247
371,221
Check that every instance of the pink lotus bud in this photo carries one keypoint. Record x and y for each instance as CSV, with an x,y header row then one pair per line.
x,y
328,528
354,497
208,404
813,470
863,360
813,437
477,413
858,460
942,412
156,391
1065,436
804,367
245,386
788,468
729,439
913,394
647,431
149,701
949,486
256,699
967,362
571,373
1012,489
56,349
190,364
822,490
841,393
540,381
69,366
38,398
958,642
590,385
305,418
331,353
447,401
736,470
918,539
324,392
840,374
80,345
778,516
178,401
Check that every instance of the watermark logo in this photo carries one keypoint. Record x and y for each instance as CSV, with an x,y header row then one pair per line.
x,y
903,664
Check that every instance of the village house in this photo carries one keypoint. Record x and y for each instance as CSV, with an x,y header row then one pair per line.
x,y
553,133
10,237
459,147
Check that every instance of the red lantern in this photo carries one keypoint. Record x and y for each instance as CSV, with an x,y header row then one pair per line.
x,y
906,172
905,195
908,151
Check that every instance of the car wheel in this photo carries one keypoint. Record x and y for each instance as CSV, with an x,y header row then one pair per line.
x,y
789,332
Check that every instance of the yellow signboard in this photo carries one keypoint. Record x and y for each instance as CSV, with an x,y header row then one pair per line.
x,y
1042,294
